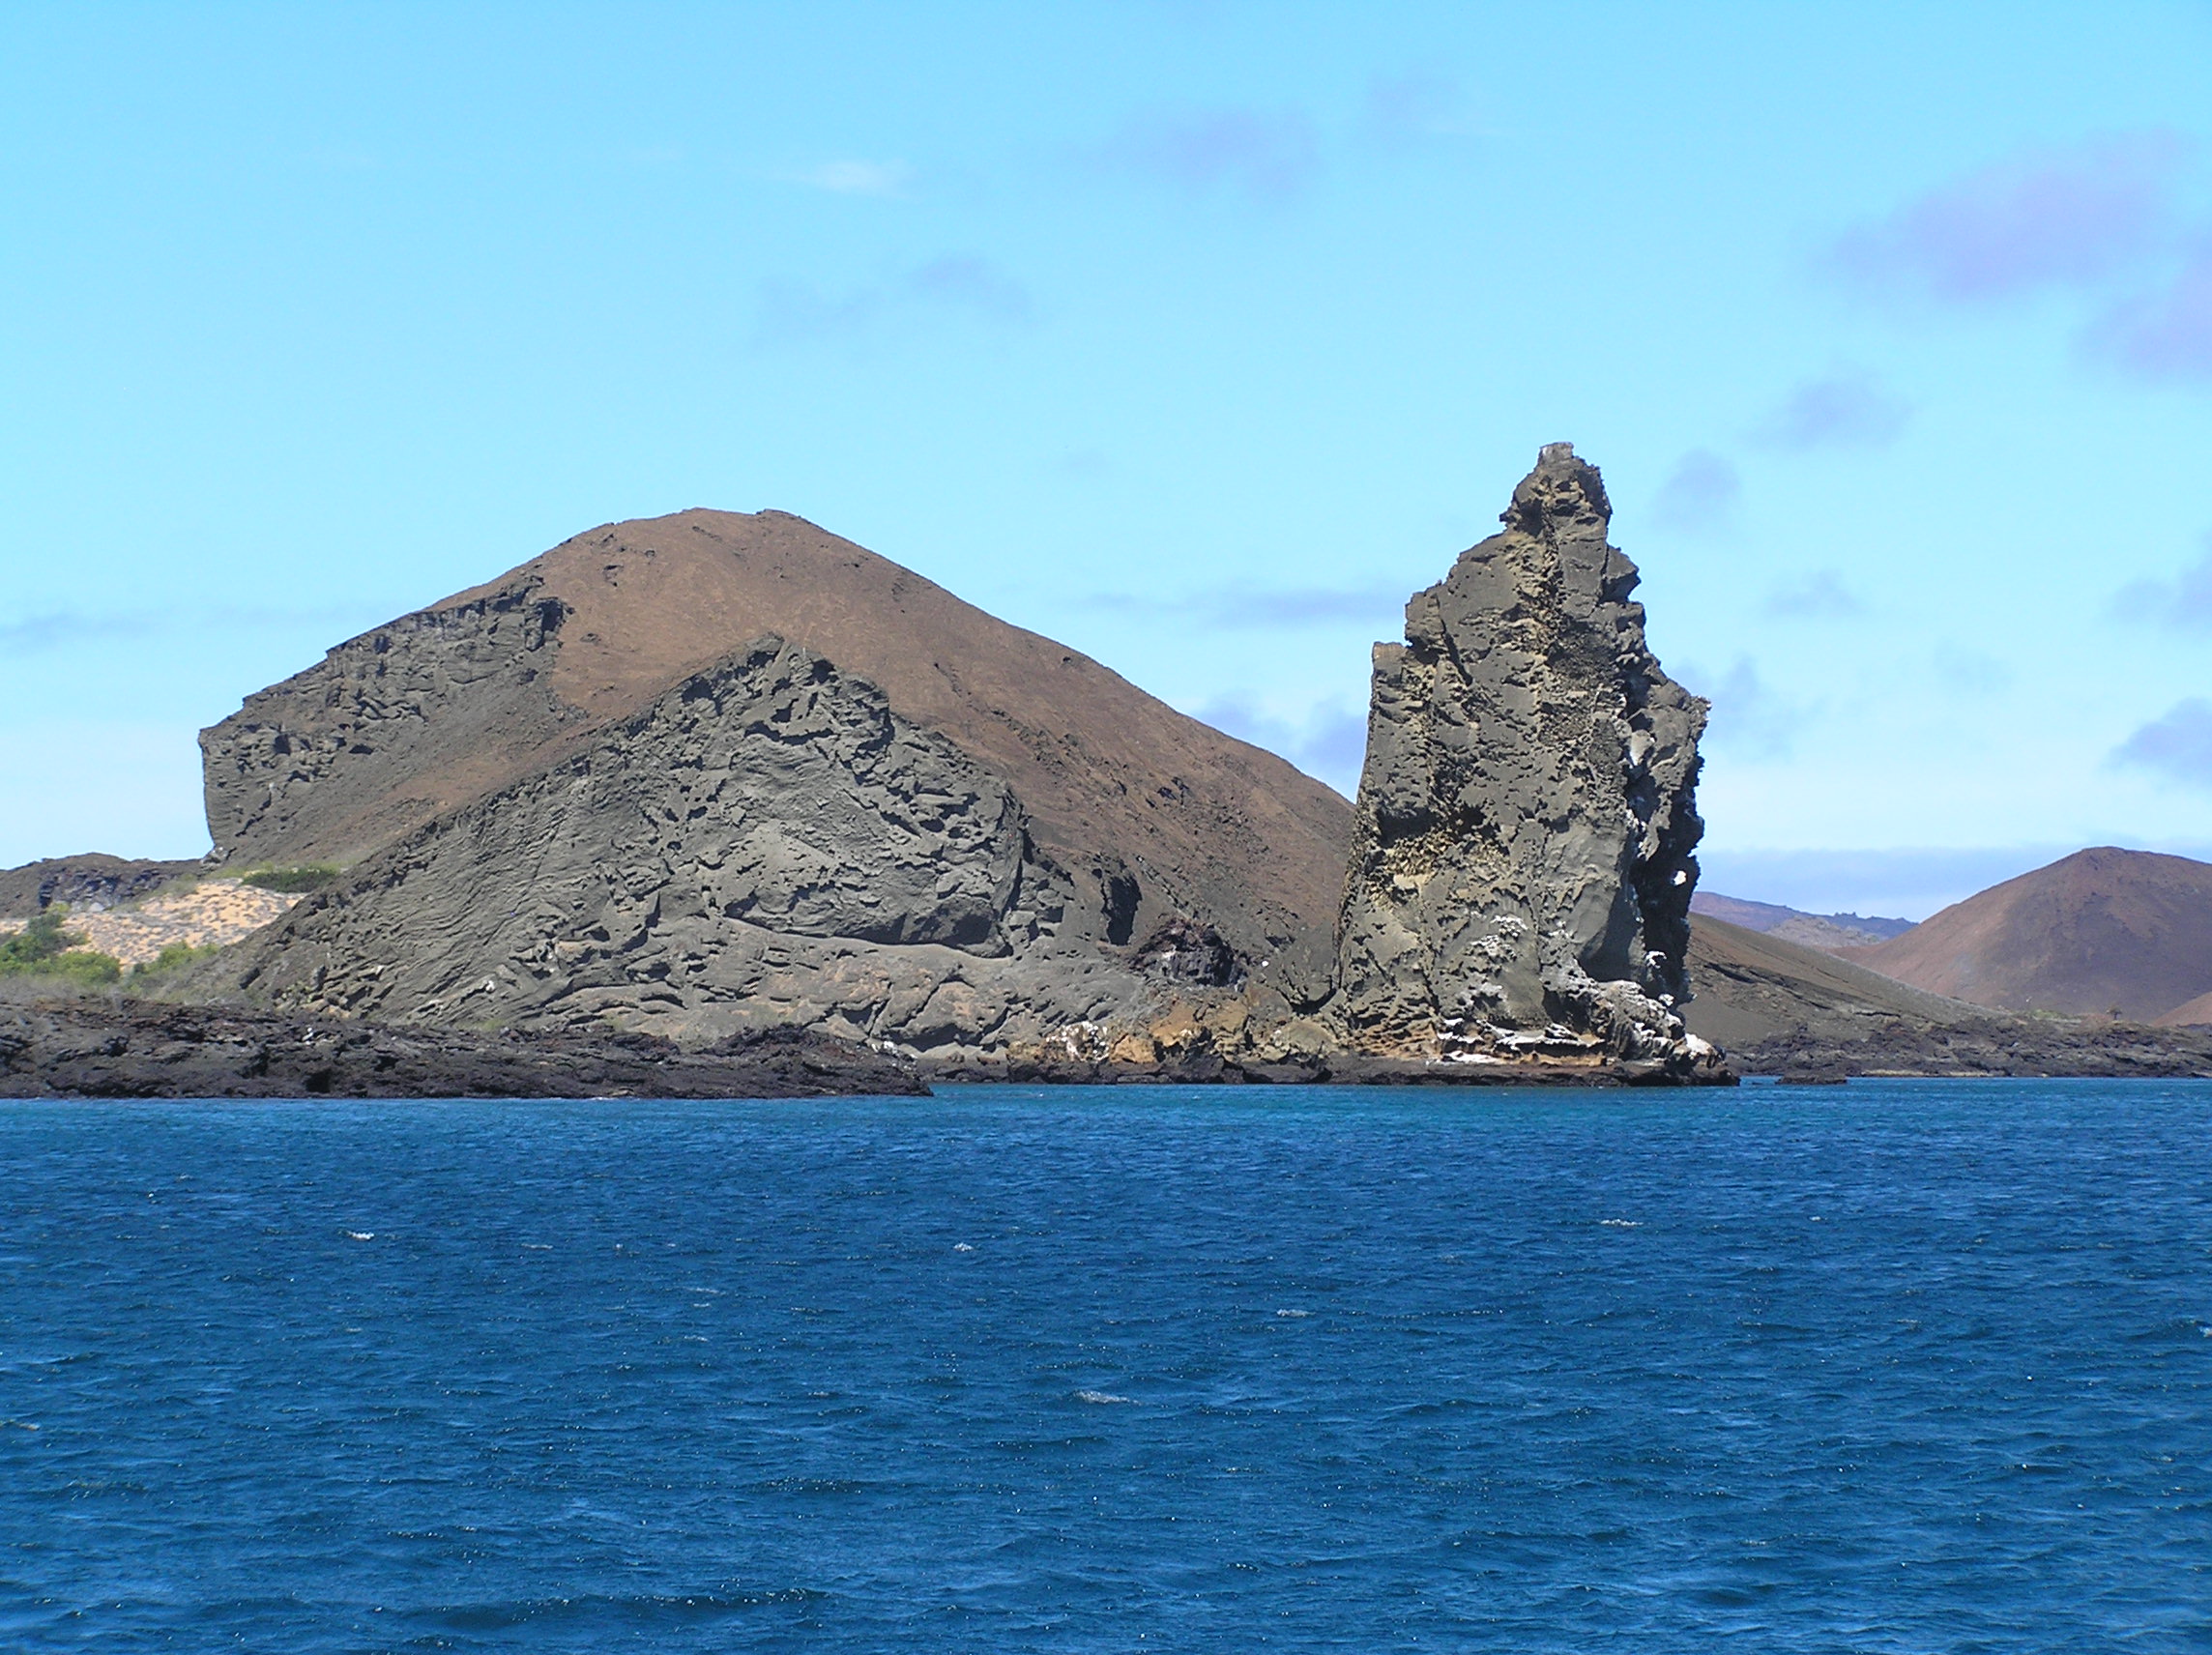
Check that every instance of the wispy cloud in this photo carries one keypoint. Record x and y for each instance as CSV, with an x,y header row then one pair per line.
x,y
2176,744
1329,742
856,177
62,630
1970,672
2184,602
1265,155
1818,597
1843,411
967,282
2166,333
1418,104
1700,495
34,634
1750,715
792,312
2065,217
1273,607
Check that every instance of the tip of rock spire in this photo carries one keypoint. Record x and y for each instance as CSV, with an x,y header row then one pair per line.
x,y
1562,488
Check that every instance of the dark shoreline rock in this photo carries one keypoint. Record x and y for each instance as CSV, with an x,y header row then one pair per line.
x,y
1337,1068
2001,1048
146,1049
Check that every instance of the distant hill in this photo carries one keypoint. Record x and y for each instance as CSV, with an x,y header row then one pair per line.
x,y
2189,1013
1825,931
1749,986
2099,930
1784,1009
84,881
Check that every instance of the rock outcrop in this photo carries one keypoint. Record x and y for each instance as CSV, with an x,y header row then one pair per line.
x,y
713,774
109,1047
1523,858
86,883
766,844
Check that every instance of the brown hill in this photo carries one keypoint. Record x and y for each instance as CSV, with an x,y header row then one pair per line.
x,y
1155,813
2189,1014
2103,928
1783,1008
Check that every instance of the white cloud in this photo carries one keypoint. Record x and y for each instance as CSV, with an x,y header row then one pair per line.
x,y
857,177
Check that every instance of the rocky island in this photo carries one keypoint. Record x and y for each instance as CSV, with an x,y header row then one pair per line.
x,y
683,786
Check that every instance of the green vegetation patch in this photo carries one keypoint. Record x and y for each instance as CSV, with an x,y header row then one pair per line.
x,y
43,949
292,882
175,957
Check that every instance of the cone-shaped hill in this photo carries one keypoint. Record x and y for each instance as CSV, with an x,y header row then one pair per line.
x,y
1153,815
2099,930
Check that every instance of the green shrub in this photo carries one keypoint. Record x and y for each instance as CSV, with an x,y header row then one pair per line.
x,y
39,940
291,881
83,967
43,949
171,958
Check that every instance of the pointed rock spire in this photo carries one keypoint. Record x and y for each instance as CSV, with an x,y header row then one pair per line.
x,y
1520,877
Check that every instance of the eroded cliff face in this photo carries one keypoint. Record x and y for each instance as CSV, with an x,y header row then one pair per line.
x,y
1522,870
766,844
387,731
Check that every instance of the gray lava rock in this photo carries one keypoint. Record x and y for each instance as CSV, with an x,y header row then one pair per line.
x,y
767,844
101,1048
1522,872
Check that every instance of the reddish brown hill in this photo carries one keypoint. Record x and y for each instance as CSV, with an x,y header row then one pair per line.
x,y
456,700
2189,1014
2099,929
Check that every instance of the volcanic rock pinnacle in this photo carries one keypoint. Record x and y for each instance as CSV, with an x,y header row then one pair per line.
x,y
1521,875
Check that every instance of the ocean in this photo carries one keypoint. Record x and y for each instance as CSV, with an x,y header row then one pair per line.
x,y
1910,1366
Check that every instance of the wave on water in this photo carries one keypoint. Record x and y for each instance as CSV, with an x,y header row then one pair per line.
x,y
1972,1413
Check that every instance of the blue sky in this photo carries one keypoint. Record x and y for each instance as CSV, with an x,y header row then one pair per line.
x,y
1197,336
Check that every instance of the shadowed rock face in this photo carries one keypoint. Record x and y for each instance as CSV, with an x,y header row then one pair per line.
x,y
1526,822
82,881
765,844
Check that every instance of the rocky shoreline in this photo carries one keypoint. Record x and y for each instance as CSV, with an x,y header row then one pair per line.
x,y
2001,1048
114,1047
106,1046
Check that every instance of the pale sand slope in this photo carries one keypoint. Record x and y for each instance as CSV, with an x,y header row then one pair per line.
x,y
215,913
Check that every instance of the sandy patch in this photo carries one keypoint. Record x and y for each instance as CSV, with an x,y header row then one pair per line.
x,y
215,913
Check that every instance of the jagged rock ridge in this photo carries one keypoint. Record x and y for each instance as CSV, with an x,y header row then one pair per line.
x,y
1523,858
766,844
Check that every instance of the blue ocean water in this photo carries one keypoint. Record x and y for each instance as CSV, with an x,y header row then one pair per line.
x,y
1898,1366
